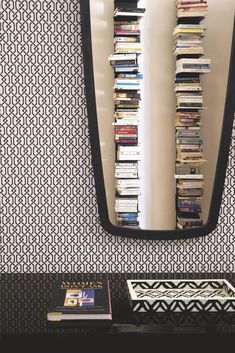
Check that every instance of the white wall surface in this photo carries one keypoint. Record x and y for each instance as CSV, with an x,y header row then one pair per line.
x,y
158,107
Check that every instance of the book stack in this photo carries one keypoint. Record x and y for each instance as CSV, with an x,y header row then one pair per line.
x,y
128,186
126,134
188,49
128,153
188,39
191,9
127,99
124,170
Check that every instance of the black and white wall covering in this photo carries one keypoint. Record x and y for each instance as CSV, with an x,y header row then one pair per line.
x,y
49,218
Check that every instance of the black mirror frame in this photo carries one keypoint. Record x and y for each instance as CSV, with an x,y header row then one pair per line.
x,y
222,160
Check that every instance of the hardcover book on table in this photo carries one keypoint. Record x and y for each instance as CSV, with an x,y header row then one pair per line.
x,y
80,301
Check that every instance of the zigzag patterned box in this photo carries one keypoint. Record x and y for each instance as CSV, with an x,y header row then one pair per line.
x,y
181,295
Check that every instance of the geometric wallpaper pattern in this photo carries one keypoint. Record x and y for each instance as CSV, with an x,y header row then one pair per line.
x,y
49,218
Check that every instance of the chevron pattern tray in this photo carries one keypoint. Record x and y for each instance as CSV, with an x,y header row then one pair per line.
x,y
181,295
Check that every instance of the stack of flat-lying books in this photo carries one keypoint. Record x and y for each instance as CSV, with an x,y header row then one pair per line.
x,y
124,62
189,205
189,220
129,82
189,121
126,204
189,100
127,99
188,39
127,117
128,153
130,44
128,219
125,170
188,187
188,49
127,102
125,134
128,186
191,8
187,84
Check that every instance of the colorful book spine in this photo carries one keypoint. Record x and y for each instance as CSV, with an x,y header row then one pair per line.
x,y
188,35
127,102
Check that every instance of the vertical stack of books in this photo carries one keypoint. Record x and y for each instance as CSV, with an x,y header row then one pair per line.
x,y
127,98
188,49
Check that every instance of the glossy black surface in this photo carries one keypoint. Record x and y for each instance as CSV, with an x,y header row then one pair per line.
x,y
25,298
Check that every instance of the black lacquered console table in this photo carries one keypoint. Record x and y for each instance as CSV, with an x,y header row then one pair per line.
x,y
23,324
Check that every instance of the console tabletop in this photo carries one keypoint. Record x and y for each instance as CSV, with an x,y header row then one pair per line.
x,y
23,319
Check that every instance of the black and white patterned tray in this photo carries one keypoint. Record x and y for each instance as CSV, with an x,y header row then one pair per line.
x,y
181,295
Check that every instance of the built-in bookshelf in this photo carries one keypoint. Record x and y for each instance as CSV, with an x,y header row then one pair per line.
x,y
127,99
190,64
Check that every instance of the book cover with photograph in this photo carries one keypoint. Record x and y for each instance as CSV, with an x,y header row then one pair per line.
x,y
78,300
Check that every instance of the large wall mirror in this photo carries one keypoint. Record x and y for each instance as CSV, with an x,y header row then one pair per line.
x,y
157,199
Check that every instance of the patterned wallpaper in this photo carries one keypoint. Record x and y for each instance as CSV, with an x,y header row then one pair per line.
x,y
49,218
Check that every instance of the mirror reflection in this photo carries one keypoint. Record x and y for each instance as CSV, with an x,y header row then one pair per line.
x,y
157,62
